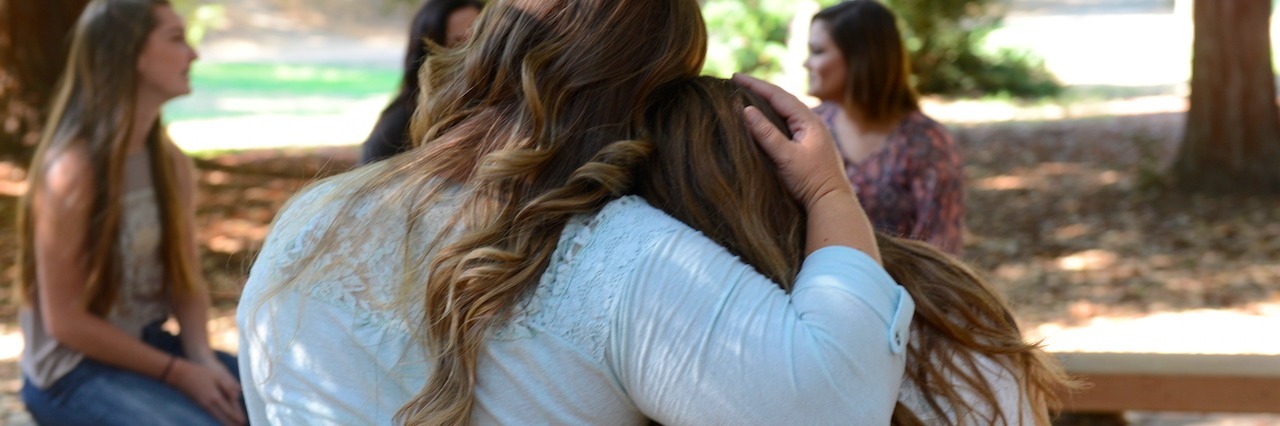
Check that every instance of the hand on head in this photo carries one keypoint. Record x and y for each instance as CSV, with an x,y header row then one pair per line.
x,y
808,161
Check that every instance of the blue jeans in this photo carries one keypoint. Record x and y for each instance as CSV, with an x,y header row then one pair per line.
x,y
94,393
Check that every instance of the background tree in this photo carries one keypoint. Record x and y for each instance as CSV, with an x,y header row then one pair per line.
x,y
1232,137
33,47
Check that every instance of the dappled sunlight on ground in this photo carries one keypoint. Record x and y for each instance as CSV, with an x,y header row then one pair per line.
x,y
12,180
10,343
1248,329
1070,220
1087,260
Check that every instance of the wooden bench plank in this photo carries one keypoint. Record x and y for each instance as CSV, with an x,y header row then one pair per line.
x,y
1174,382
1171,364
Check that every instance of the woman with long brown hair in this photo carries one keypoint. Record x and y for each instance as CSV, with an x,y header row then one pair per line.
x,y
499,274
905,166
966,363
108,238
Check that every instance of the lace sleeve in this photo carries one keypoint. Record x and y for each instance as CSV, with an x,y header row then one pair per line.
x,y
306,251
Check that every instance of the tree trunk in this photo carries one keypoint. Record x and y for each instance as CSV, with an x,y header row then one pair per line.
x,y
1232,137
34,38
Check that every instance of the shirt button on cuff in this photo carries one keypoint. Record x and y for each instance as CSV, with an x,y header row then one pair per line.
x,y
900,328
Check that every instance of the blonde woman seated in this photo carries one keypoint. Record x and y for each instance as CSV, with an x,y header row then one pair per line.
x,y
499,273
966,363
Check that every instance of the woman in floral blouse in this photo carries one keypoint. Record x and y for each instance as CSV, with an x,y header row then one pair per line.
x,y
905,166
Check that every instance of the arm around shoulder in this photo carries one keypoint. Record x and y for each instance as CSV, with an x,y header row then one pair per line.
x,y
702,338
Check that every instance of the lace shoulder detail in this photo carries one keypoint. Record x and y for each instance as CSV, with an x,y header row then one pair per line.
x,y
595,258
359,267
362,271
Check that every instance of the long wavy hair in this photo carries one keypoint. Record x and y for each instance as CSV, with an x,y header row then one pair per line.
x,y
93,111
878,80
535,119
708,173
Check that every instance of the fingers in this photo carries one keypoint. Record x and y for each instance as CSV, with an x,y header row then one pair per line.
x,y
227,411
217,393
230,401
786,104
770,139
808,163
231,390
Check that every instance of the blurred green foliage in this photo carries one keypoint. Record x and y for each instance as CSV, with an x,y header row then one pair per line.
x,y
945,39
200,16
747,36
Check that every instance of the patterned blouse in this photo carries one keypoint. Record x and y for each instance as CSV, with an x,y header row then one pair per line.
x,y
912,187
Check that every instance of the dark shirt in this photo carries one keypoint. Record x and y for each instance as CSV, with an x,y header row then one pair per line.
x,y
390,136
913,187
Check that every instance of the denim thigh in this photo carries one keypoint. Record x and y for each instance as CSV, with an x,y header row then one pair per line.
x,y
94,393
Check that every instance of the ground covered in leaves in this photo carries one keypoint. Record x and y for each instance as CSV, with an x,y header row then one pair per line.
x,y
1072,220
1068,218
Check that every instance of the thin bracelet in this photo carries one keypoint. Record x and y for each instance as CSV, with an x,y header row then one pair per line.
x,y
168,367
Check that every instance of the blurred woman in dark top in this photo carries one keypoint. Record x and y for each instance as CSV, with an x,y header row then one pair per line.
x,y
443,22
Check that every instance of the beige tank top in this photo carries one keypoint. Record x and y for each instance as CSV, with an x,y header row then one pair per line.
x,y
143,296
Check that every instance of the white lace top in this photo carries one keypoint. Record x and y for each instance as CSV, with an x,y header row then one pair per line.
x,y
638,316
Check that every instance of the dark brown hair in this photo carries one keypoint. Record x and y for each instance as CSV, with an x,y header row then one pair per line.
x,y
93,111
429,24
878,76
708,173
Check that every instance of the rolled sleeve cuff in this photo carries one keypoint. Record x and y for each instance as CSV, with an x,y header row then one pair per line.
x,y
868,282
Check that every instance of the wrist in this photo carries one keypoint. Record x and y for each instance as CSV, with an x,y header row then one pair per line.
x,y
837,194
201,356
167,372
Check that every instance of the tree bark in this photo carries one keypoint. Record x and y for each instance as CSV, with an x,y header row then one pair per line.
x,y
1232,138
34,39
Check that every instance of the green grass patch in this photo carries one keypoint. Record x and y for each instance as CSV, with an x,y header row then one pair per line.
x,y
237,89
286,79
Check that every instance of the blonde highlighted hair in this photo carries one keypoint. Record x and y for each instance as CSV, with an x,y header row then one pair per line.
x,y
535,117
